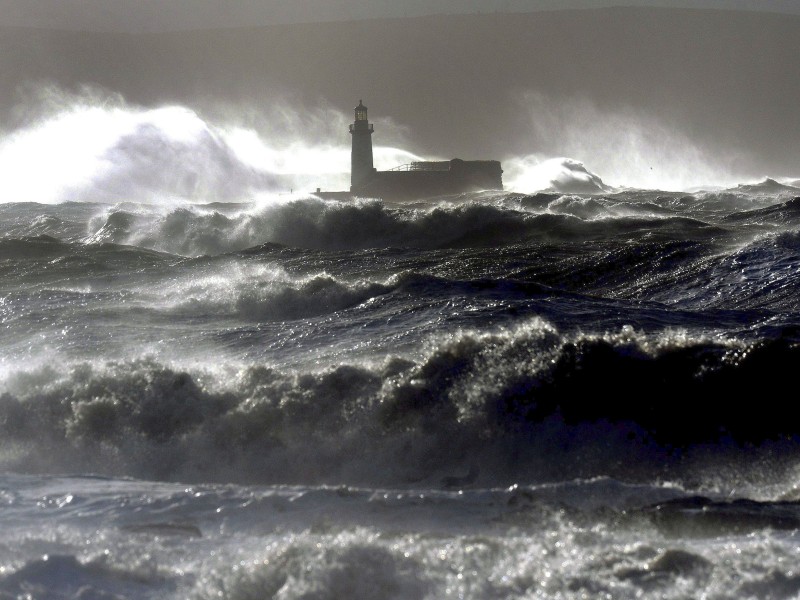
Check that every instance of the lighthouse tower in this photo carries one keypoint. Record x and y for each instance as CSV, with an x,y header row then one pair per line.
x,y
361,168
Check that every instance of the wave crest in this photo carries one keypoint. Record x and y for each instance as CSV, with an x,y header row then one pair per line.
x,y
328,225
511,404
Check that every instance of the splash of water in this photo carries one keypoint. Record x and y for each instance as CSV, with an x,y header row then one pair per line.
x,y
564,175
629,147
90,148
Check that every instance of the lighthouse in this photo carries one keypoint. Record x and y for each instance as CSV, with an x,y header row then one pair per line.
x,y
361,169
420,179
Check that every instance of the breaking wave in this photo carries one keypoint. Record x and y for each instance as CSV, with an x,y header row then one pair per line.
x,y
560,175
93,153
325,225
267,294
514,404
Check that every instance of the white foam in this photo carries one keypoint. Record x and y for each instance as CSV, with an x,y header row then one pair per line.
x,y
562,175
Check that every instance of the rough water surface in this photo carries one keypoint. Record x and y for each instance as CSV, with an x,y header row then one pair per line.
x,y
494,395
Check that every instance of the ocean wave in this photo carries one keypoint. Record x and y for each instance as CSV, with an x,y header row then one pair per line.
x,y
350,565
776,214
110,152
266,293
66,221
675,262
42,259
324,225
494,407
42,246
768,187
723,205
314,223
63,577
560,175
759,275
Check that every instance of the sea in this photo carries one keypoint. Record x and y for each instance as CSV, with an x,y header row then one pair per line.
x,y
491,395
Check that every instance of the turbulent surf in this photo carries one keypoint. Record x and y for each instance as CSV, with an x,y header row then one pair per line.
x,y
492,395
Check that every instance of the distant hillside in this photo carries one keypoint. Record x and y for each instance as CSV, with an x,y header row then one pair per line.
x,y
154,16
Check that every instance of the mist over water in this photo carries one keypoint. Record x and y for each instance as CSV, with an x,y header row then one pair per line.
x,y
628,147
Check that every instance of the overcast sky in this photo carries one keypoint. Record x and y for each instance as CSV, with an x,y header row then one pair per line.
x,y
169,15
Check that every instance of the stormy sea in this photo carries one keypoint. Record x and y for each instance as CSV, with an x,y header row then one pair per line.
x,y
582,392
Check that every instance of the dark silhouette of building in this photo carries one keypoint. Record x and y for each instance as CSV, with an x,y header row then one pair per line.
x,y
418,179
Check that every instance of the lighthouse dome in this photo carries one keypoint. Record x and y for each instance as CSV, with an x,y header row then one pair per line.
x,y
361,111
